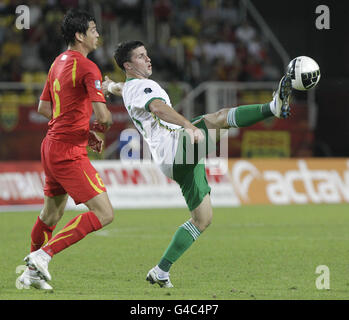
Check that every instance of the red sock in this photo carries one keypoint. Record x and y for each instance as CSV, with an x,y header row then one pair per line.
x,y
74,231
41,234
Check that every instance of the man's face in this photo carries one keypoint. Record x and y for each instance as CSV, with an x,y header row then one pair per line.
x,y
140,64
91,38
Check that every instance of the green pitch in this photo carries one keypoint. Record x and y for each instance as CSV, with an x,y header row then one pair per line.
x,y
255,252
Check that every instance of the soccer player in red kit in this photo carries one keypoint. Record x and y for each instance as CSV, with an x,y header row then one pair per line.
x,y
71,93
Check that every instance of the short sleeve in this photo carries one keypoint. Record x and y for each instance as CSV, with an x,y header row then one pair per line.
x,y
93,84
147,92
45,95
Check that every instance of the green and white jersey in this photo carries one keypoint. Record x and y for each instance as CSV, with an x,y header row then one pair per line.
x,y
161,136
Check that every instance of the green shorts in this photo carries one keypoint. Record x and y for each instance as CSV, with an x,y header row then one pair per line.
x,y
189,172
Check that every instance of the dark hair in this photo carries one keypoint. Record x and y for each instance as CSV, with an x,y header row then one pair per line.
x,y
74,21
123,51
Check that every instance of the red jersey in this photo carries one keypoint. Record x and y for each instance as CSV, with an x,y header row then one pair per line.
x,y
72,84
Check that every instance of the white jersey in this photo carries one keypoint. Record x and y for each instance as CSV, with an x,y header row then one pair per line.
x,y
161,136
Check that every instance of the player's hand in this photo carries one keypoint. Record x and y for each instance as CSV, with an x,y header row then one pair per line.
x,y
98,127
105,85
195,134
95,142
116,87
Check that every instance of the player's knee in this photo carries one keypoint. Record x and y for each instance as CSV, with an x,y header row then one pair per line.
x,y
105,217
102,208
110,216
221,116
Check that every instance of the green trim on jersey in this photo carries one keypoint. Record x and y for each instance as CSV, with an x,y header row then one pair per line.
x,y
129,79
155,117
158,120
140,125
148,103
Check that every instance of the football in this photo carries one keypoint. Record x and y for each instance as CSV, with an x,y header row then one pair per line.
x,y
305,73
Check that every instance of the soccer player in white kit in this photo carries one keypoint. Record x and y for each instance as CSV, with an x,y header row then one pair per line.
x,y
171,138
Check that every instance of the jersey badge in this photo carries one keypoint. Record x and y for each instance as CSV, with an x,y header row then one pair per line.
x,y
98,84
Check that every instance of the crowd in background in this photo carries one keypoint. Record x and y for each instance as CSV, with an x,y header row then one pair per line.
x,y
194,40
189,42
219,45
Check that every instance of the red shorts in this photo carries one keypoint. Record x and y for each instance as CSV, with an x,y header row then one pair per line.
x,y
69,170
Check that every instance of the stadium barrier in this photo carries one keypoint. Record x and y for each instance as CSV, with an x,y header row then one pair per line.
x,y
129,185
287,181
234,182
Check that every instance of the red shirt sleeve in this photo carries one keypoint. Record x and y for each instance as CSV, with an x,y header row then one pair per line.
x,y
45,95
93,84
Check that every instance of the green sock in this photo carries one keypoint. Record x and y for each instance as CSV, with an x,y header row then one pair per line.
x,y
244,116
183,238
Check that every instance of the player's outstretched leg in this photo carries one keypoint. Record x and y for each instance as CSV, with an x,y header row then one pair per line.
x,y
183,238
247,115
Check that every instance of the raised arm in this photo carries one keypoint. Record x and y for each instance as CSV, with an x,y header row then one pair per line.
x,y
168,114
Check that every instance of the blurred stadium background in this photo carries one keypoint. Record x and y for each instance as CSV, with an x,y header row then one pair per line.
x,y
206,53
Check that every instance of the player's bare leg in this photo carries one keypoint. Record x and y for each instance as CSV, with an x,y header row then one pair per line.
x,y
201,216
216,121
102,208
53,209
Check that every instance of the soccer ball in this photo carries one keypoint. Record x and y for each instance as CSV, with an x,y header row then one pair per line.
x,y
305,73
